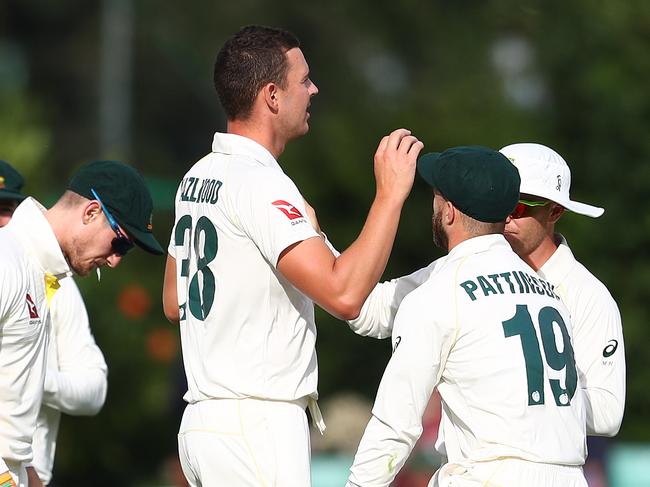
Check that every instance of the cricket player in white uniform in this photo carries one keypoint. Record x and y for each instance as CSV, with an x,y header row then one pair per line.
x,y
530,230
75,377
595,318
38,248
245,267
492,336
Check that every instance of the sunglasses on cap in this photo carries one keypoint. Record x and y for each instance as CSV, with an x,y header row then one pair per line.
x,y
523,205
120,244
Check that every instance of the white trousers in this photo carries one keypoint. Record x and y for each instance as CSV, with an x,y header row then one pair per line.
x,y
508,472
245,443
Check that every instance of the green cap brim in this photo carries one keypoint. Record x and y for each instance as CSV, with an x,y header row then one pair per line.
x,y
11,195
145,240
425,167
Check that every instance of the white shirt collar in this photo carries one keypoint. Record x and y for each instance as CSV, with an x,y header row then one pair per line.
x,y
34,232
237,144
477,245
556,268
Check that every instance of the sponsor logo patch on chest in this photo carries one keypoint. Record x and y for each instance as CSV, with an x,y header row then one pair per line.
x,y
34,318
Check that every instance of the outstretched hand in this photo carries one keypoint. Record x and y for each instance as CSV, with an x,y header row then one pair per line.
x,y
395,162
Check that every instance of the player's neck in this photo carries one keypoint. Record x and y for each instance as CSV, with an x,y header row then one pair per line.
x,y
261,133
59,221
540,255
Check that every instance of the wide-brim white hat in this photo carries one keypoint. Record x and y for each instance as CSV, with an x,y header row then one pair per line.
x,y
546,174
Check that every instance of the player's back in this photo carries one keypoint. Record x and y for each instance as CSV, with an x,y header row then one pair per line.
x,y
509,385
246,331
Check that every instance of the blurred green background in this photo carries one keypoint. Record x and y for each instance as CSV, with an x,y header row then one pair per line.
x,y
132,79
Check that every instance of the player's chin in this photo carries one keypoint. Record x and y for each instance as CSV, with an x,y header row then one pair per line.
x,y
82,269
511,237
301,131
516,244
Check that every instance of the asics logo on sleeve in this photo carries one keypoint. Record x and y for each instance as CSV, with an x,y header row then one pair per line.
x,y
290,211
397,342
610,349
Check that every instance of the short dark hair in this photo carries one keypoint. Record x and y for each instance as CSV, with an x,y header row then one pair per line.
x,y
250,59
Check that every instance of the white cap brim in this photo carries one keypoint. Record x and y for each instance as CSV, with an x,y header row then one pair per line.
x,y
545,174
574,206
582,208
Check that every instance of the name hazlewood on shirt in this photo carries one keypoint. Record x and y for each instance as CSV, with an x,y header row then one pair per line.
x,y
208,190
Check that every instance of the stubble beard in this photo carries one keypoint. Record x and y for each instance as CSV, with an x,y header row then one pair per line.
x,y
440,238
73,259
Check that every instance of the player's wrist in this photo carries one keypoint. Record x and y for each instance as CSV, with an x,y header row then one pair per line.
x,y
389,200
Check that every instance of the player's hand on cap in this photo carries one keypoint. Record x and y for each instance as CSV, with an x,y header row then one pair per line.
x,y
395,162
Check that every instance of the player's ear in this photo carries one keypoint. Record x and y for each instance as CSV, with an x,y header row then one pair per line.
x,y
555,212
270,94
449,213
91,211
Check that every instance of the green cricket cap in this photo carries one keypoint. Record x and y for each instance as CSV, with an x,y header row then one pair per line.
x,y
124,192
481,182
11,183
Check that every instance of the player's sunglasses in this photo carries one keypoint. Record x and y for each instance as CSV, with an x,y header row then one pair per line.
x,y
523,205
120,244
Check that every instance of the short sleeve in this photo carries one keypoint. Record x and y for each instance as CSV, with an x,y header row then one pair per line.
x,y
271,211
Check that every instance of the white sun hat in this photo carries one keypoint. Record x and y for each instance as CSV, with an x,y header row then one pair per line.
x,y
546,174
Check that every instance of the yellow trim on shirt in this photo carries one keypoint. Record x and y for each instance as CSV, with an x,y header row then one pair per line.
x,y
51,286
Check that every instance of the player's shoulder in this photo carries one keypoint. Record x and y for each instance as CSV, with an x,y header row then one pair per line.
x,y
584,289
13,258
582,276
435,292
15,271
68,291
263,183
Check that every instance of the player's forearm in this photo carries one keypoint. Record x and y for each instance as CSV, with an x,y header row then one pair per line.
x,y
358,269
604,412
169,297
32,478
376,316
381,454
378,312
78,393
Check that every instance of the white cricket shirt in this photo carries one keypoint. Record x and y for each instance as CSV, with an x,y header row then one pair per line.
x,y
496,341
28,250
245,330
378,311
75,377
598,338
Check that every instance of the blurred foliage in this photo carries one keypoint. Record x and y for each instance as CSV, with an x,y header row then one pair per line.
x,y
569,74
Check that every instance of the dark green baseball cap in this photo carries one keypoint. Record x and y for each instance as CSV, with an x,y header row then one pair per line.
x,y
481,182
11,182
124,192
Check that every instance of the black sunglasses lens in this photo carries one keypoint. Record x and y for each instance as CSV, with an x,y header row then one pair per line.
x,y
121,245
